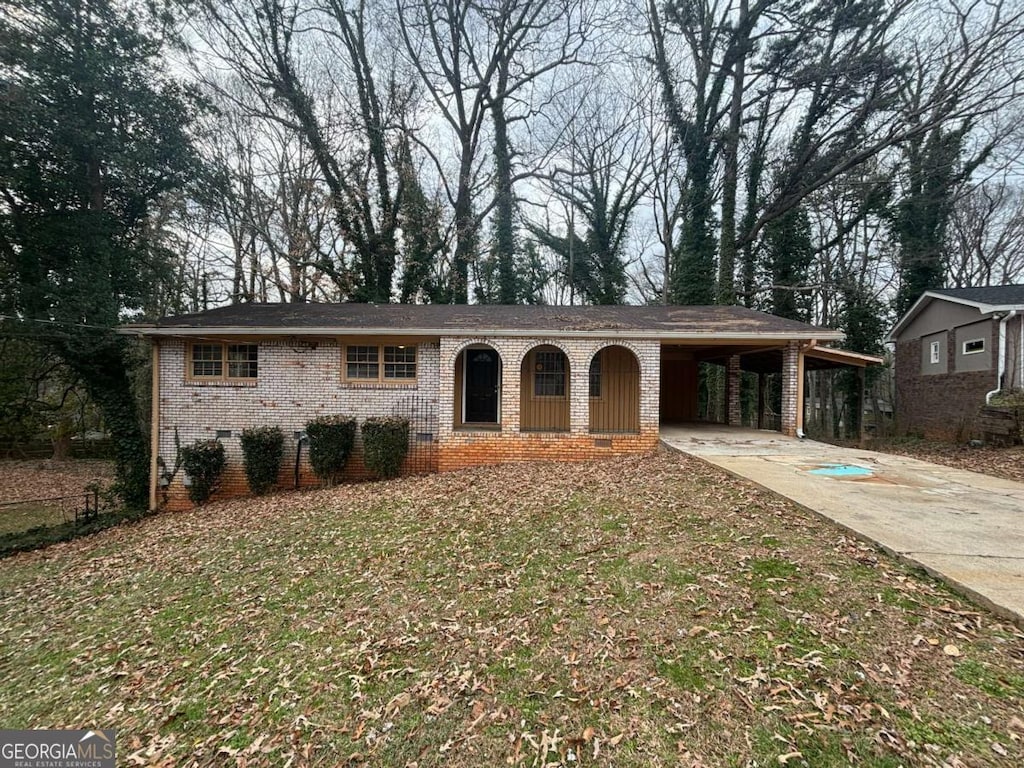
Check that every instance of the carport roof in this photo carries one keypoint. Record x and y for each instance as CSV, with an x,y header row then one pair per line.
x,y
815,359
662,322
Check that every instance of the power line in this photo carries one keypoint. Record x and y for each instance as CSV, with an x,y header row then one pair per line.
x,y
46,321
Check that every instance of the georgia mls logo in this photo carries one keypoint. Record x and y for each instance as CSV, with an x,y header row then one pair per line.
x,y
57,749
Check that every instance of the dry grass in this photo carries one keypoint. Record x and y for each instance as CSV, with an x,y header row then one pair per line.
x,y
635,612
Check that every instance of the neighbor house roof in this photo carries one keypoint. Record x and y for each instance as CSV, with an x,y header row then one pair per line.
x,y
987,299
663,322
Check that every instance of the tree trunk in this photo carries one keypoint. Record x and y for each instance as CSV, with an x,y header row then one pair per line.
x,y
727,243
465,232
504,207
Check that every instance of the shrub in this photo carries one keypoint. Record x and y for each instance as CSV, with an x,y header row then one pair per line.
x,y
385,443
204,462
262,450
330,444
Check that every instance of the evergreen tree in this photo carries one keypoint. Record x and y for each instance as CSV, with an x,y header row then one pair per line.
x,y
789,254
933,173
420,220
864,321
92,134
596,270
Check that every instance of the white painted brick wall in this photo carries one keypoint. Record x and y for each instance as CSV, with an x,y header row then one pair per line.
x,y
294,385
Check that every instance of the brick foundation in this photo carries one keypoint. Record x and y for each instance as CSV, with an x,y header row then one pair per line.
x,y
471,449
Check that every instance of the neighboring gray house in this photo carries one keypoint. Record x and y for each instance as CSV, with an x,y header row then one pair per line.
x,y
957,348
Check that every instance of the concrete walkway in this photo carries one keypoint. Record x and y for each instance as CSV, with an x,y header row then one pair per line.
x,y
963,527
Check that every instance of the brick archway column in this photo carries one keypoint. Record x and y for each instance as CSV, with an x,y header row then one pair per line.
x,y
792,388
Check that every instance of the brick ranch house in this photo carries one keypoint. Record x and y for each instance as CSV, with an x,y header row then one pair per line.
x,y
955,349
479,384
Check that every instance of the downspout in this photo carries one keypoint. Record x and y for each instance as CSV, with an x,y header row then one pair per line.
x,y
1001,365
154,429
303,438
800,388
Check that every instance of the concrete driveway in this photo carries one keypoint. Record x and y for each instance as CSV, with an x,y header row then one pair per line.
x,y
963,527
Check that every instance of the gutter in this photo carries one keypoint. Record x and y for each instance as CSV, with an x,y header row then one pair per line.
x,y
1001,367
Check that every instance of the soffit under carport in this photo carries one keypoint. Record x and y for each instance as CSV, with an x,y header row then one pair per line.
x,y
769,360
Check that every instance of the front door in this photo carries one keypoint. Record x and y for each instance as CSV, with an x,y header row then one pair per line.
x,y
482,367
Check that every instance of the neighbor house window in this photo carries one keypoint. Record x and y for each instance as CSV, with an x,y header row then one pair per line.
x,y
974,346
933,354
595,376
384,362
224,362
549,369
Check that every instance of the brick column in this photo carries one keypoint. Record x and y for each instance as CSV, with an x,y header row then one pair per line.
x,y
579,390
791,374
733,409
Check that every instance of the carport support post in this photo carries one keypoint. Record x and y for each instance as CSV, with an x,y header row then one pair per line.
x,y
859,416
792,389
734,411
760,402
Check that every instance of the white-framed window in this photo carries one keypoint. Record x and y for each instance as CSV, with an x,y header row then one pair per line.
x,y
389,363
974,346
223,361
933,352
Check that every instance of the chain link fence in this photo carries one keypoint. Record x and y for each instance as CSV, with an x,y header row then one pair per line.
x,y
18,517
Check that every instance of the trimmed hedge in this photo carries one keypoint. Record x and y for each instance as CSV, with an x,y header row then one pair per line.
x,y
204,462
385,443
330,444
262,451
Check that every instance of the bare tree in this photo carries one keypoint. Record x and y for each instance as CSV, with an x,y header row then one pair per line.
x,y
342,111
603,175
987,236
489,60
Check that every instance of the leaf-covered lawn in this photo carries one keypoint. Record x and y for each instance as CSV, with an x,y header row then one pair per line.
x,y
23,480
635,612
1006,462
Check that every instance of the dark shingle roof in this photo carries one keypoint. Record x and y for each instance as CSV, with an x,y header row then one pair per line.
x,y
999,295
444,319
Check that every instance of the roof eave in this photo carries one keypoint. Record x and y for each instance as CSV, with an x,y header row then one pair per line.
x,y
983,309
191,331
845,357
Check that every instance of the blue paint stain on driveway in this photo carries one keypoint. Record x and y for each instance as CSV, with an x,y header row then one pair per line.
x,y
841,470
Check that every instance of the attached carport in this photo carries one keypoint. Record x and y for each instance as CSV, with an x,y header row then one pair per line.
x,y
789,360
